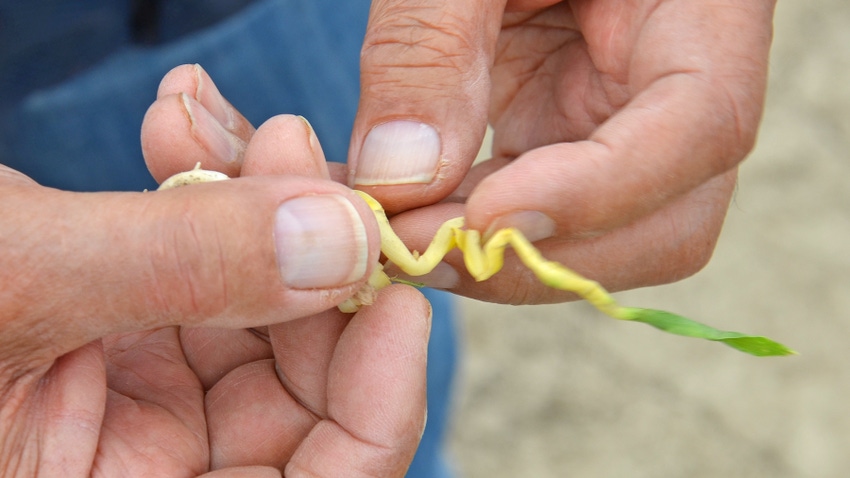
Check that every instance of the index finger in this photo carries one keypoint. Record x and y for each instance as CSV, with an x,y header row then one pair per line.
x,y
697,96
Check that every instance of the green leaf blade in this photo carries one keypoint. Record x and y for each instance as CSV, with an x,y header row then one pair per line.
x,y
759,346
678,325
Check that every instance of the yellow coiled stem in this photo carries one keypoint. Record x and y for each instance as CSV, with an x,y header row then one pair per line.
x,y
484,260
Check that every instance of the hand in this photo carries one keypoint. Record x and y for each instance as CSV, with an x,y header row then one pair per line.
x,y
617,129
107,364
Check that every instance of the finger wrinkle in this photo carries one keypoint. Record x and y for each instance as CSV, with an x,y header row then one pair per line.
x,y
444,37
187,284
399,54
247,374
17,385
389,449
745,129
436,90
298,393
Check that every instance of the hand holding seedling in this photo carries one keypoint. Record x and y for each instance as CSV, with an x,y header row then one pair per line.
x,y
617,127
153,335
483,259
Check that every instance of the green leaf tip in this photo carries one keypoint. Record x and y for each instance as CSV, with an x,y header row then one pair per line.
x,y
759,346
676,324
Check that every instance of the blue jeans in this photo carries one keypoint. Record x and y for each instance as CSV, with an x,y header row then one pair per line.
x,y
275,56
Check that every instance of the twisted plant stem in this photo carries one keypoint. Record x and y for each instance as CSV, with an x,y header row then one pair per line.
x,y
484,259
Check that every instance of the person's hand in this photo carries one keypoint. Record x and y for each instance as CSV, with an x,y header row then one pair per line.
x,y
108,366
618,127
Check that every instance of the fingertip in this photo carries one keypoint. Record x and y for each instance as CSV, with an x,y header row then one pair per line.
x,y
321,241
180,79
423,111
178,133
399,152
405,340
407,164
194,81
382,353
285,145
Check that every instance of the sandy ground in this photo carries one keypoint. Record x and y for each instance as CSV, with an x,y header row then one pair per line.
x,y
553,391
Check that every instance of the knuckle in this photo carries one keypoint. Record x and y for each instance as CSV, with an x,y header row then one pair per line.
x,y
189,278
687,254
737,119
689,259
690,231
428,38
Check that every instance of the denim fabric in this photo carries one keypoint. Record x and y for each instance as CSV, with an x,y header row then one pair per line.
x,y
286,56
275,56
45,41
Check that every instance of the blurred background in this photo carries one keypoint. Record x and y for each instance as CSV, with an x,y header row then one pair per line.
x,y
553,391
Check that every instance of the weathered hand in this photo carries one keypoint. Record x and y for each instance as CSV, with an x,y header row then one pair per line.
x,y
618,127
108,366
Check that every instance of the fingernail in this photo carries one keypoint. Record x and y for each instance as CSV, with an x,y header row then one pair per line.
x,y
534,225
398,152
209,96
314,141
320,242
212,136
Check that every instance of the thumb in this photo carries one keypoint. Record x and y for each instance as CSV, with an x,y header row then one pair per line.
x,y
425,89
239,253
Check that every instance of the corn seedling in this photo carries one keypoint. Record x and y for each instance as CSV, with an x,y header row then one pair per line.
x,y
483,259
